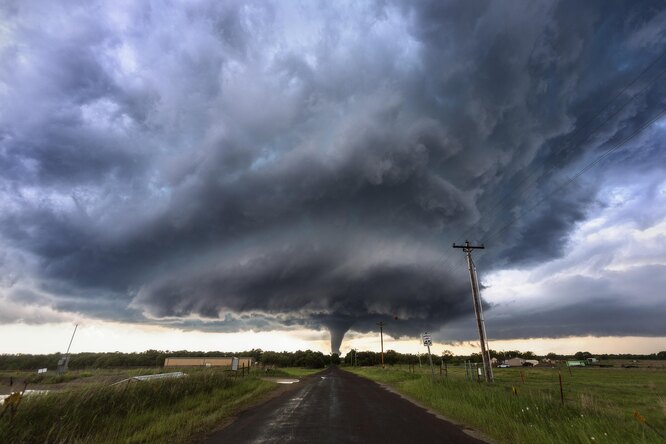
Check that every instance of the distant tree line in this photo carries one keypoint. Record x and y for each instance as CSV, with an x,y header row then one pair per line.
x,y
307,358
391,357
155,358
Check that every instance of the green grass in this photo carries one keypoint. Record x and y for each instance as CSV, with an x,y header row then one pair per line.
x,y
52,377
157,411
599,403
34,378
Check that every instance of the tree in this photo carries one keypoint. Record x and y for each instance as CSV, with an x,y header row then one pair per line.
x,y
391,357
447,355
581,356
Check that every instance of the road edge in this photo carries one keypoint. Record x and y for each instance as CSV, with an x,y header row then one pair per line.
x,y
474,433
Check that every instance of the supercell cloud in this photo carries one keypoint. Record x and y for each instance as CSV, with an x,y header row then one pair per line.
x,y
234,165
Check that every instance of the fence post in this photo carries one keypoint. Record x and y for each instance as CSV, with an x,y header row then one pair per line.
x,y
559,374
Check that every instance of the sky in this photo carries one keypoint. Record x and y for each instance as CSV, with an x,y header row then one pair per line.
x,y
284,175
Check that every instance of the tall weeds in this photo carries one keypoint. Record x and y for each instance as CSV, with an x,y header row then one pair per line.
x,y
164,410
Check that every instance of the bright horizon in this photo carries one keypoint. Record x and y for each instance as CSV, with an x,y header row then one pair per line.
x,y
97,336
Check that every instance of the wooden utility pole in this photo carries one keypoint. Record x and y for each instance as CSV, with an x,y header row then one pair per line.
x,y
480,323
63,363
432,368
381,338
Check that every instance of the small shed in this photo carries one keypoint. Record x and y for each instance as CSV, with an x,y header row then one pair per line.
x,y
515,362
206,362
576,363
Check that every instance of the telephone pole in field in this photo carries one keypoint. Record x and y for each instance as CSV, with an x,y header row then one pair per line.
x,y
381,338
480,323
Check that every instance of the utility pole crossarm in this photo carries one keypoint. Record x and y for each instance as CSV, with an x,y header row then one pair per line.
x,y
469,247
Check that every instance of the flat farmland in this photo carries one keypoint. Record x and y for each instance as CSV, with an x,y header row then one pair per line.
x,y
616,405
87,405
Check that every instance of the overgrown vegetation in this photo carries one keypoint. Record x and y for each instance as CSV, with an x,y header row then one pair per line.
x,y
170,410
601,405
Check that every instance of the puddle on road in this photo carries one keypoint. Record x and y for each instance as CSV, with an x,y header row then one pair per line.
x,y
282,380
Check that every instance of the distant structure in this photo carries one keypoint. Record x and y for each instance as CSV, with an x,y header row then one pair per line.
x,y
576,363
520,362
152,377
515,362
206,362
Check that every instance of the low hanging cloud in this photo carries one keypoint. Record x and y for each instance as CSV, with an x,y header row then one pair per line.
x,y
265,165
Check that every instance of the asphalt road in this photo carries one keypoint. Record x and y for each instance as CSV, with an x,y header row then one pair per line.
x,y
338,407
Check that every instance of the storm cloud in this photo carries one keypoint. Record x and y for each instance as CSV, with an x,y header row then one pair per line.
x,y
236,165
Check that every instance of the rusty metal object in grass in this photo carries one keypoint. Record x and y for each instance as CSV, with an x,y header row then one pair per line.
x,y
12,402
641,420
638,417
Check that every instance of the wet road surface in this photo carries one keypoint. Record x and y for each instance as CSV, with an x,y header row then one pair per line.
x,y
338,407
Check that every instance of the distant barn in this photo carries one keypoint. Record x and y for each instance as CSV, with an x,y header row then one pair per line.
x,y
576,363
515,362
206,362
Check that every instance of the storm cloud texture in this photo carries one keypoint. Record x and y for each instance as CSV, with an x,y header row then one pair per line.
x,y
234,165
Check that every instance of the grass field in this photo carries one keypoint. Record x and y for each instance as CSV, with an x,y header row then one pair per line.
x,y
86,408
81,378
599,402
70,379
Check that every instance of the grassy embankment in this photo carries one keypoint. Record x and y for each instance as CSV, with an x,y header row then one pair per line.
x,y
599,403
171,410
81,377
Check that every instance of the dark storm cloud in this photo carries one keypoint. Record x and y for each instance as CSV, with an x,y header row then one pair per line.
x,y
250,164
313,285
